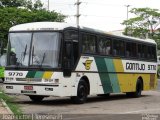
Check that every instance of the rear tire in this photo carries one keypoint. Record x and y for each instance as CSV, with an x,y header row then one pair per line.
x,y
35,98
138,92
82,93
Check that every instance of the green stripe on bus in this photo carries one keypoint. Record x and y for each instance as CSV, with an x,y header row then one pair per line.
x,y
104,76
30,74
113,76
115,83
39,74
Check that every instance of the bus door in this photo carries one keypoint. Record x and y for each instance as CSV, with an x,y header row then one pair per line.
x,y
70,51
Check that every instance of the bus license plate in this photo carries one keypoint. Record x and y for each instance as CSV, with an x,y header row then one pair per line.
x,y
28,87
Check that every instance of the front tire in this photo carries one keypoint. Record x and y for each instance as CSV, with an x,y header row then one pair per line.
x,y
82,93
35,98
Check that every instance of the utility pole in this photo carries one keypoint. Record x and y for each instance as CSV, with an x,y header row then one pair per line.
x,y
127,18
127,10
48,5
77,15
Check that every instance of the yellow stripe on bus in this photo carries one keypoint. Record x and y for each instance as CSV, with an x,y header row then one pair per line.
x,y
47,75
118,65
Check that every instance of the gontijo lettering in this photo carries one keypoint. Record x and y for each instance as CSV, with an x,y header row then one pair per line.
x,y
139,66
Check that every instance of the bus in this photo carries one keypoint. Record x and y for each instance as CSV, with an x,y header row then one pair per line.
x,y
59,59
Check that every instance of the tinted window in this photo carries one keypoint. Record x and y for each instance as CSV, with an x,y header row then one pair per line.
x,y
71,34
104,46
154,56
118,48
88,43
139,51
130,49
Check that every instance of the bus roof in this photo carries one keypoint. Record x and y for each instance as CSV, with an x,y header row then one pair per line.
x,y
134,38
41,26
36,26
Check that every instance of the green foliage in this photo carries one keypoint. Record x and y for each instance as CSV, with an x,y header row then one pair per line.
x,y
13,12
12,3
145,24
10,102
22,3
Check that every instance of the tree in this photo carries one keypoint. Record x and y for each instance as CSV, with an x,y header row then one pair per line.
x,y
12,3
22,3
17,13
145,24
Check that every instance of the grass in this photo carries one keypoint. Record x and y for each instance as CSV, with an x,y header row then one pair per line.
x,y
15,108
10,102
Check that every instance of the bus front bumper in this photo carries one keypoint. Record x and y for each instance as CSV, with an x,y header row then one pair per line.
x,y
30,89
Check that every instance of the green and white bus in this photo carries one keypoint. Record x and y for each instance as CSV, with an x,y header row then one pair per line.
x,y
58,59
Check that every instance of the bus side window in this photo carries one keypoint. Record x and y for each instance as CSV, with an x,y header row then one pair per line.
x,y
139,55
128,49
104,46
134,49
144,50
149,52
118,48
115,48
154,52
88,43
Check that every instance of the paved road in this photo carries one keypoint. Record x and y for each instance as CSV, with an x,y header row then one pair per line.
x,y
97,107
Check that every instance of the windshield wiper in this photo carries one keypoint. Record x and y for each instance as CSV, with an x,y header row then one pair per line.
x,y
32,54
44,55
24,54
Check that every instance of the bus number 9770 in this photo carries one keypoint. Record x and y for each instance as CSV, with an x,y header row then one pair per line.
x,y
15,74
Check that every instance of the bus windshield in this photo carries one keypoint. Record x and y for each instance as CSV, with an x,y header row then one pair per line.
x,y
34,49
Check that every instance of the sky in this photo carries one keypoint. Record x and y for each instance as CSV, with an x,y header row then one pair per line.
x,y
106,15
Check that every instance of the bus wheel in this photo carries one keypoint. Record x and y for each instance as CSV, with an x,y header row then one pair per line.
x,y
82,93
139,87
35,98
138,92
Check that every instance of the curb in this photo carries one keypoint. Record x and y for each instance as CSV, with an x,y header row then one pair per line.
x,y
6,106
